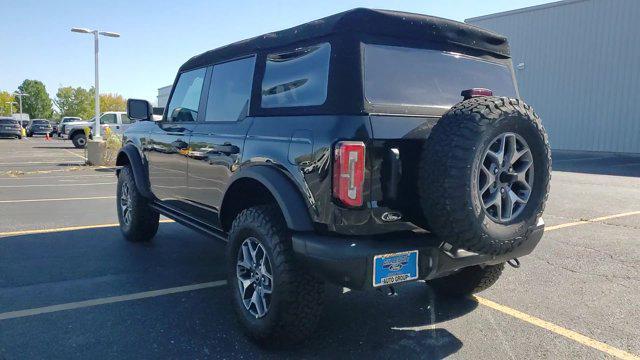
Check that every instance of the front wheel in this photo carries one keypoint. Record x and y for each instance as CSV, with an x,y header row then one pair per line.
x,y
79,140
138,221
277,302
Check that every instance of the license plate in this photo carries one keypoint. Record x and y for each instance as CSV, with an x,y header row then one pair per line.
x,y
394,268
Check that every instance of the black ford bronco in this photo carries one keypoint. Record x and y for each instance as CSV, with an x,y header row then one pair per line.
x,y
364,149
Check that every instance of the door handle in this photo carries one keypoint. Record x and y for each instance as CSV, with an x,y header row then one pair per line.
x,y
226,148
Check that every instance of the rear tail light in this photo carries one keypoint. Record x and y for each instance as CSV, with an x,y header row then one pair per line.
x,y
348,172
476,92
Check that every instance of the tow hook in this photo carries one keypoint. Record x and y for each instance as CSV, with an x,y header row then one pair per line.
x,y
391,290
515,263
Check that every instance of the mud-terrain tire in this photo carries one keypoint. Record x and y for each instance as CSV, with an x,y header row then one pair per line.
x,y
295,303
138,221
454,167
79,140
467,281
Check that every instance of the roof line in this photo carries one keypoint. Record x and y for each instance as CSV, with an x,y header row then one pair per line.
x,y
526,9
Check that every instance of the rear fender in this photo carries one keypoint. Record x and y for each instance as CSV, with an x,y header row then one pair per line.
x,y
285,193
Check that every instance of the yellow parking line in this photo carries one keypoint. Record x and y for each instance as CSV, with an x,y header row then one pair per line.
x,y
584,340
69,228
582,222
60,199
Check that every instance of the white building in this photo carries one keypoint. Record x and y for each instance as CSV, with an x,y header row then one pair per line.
x,y
578,64
163,95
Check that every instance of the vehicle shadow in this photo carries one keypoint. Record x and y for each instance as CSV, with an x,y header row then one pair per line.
x,y
54,147
372,324
96,263
596,163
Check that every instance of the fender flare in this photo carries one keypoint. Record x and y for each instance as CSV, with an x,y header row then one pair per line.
x,y
286,194
140,174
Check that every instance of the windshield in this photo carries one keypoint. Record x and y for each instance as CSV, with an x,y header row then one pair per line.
x,y
8,121
40,122
419,77
69,119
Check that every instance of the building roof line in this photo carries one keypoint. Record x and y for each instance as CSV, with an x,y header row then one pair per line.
x,y
525,10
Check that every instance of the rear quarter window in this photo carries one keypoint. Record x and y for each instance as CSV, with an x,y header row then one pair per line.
x,y
296,78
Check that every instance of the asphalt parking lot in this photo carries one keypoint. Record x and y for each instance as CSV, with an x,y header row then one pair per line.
x,y
71,287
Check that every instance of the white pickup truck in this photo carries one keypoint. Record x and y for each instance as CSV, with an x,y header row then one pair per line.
x,y
117,121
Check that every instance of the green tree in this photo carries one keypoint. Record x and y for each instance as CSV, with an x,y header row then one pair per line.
x,y
112,102
37,104
5,109
75,102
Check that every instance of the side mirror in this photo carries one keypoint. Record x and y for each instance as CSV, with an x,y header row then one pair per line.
x,y
139,110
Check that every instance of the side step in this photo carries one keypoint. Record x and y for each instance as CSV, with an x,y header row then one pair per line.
x,y
190,222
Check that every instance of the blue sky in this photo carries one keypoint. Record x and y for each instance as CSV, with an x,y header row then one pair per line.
x,y
157,36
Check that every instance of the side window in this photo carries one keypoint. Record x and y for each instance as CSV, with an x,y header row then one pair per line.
x,y
186,96
297,78
125,119
108,119
230,90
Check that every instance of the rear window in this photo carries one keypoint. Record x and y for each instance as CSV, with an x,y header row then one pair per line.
x,y
68,119
419,77
296,78
8,121
40,122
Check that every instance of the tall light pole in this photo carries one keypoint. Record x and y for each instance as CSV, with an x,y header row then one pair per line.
x,y
96,126
20,95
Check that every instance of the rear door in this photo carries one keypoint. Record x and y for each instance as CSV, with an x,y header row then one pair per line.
x,y
168,145
217,143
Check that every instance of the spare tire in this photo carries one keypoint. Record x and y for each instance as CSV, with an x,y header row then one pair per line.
x,y
484,174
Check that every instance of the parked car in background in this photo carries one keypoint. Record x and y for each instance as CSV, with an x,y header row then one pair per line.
x,y
39,127
117,121
65,121
10,127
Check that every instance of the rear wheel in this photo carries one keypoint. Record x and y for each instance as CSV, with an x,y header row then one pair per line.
x,y
79,140
138,221
468,281
277,302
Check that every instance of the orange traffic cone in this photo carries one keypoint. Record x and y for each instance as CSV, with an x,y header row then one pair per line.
x,y
46,137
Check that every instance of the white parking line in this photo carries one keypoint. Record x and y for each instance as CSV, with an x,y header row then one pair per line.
x,y
39,162
109,300
50,185
20,177
61,199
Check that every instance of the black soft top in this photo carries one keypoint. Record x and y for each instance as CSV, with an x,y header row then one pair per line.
x,y
365,23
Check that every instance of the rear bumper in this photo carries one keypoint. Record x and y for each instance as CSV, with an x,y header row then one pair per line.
x,y
348,261
17,132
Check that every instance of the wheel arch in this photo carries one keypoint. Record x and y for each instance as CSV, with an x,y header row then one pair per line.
x,y
256,184
129,155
